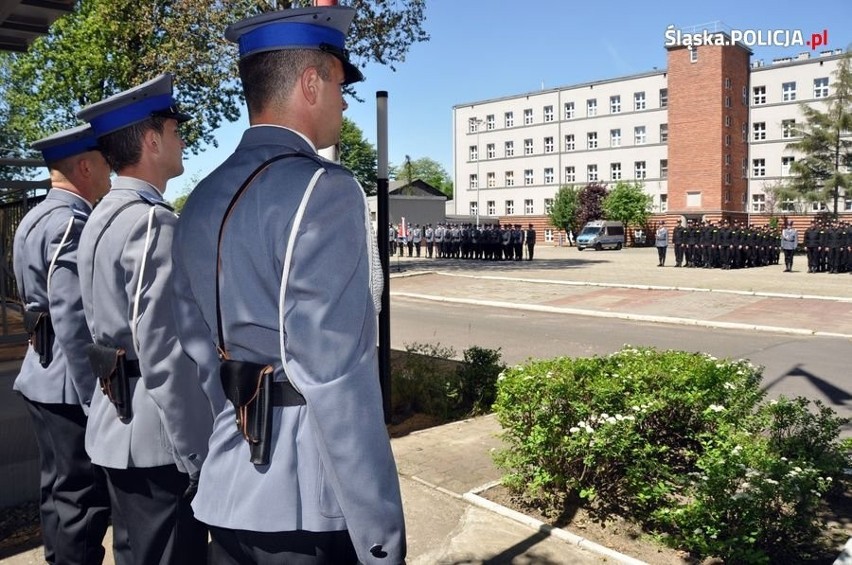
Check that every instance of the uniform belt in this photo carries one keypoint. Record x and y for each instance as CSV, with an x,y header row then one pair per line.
x,y
285,394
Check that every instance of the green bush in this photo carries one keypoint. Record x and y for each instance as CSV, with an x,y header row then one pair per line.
x,y
427,383
679,442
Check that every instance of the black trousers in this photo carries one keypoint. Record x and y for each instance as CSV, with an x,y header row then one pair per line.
x,y
238,547
661,254
530,250
788,258
74,503
152,521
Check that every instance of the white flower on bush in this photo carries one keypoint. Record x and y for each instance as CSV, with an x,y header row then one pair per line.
x,y
716,408
574,429
772,482
611,420
730,386
737,449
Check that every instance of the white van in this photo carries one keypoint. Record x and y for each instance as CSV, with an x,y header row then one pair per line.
x,y
601,234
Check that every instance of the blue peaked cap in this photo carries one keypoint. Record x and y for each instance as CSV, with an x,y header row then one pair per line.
x,y
319,28
151,99
66,143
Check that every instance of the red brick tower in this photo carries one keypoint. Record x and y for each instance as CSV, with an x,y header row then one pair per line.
x,y
707,147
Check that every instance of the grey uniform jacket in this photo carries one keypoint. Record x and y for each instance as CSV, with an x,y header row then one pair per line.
x,y
789,238
45,263
331,467
127,296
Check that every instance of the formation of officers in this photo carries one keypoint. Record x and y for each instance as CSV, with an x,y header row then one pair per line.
x,y
489,242
735,245
163,393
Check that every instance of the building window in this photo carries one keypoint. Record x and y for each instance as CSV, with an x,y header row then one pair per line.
x,y
727,121
745,96
614,104
790,206
788,91
786,165
491,208
727,159
570,174
758,203
727,140
528,147
474,153
491,180
693,54
758,167
569,142
728,83
615,138
664,133
489,122
727,178
474,208
510,207
592,140
509,119
592,107
744,168
639,136
548,205
548,235
615,171
758,131
818,206
528,177
548,145
491,151
510,178
664,168
474,181
758,95
569,110
509,148
528,207
528,117
664,202
549,177
548,113
727,196
788,129
664,98
591,173
847,205
727,101
640,171
638,101
472,125
693,199
821,87
745,131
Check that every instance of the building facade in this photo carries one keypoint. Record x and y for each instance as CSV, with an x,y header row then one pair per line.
x,y
706,137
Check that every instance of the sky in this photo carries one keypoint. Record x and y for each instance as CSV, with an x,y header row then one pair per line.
x,y
481,49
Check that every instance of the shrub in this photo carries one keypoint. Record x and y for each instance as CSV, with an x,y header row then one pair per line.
x,y
679,442
478,379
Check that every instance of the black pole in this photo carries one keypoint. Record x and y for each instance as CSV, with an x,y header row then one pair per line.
x,y
382,223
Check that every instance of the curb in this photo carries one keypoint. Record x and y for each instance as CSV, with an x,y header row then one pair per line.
x,y
622,316
558,533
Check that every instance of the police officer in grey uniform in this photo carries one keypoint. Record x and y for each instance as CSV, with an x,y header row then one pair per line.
x,y
55,380
327,489
150,431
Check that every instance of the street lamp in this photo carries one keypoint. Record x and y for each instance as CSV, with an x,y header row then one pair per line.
x,y
478,180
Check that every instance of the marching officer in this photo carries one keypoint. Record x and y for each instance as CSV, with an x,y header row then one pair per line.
x,y
55,379
150,421
429,235
529,239
308,475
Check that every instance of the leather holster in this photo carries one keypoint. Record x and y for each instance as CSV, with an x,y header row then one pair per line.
x,y
248,386
109,365
40,330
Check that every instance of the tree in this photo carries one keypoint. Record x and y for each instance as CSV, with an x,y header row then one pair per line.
x,y
425,169
359,156
105,46
628,203
591,203
563,214
826,165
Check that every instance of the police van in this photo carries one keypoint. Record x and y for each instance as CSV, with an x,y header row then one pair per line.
x,y
601,234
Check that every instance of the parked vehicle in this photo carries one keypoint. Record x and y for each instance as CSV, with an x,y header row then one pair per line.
x,y
601,234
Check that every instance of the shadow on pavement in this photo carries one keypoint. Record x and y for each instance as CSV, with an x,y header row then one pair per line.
x,y
421,264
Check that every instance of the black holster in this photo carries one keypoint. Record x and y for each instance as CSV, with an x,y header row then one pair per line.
x,y
40,330
111,367
253,392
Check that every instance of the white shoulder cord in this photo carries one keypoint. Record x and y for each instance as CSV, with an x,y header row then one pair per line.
x,y
297,221
135,319
56,255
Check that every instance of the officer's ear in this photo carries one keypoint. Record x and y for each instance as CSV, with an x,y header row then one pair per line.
x,y
309,82
152,140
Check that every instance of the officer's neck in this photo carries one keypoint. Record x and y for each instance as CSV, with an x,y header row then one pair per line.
x,y
146,174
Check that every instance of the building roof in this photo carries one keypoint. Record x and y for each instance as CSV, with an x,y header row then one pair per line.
x,y
22,21
416,188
